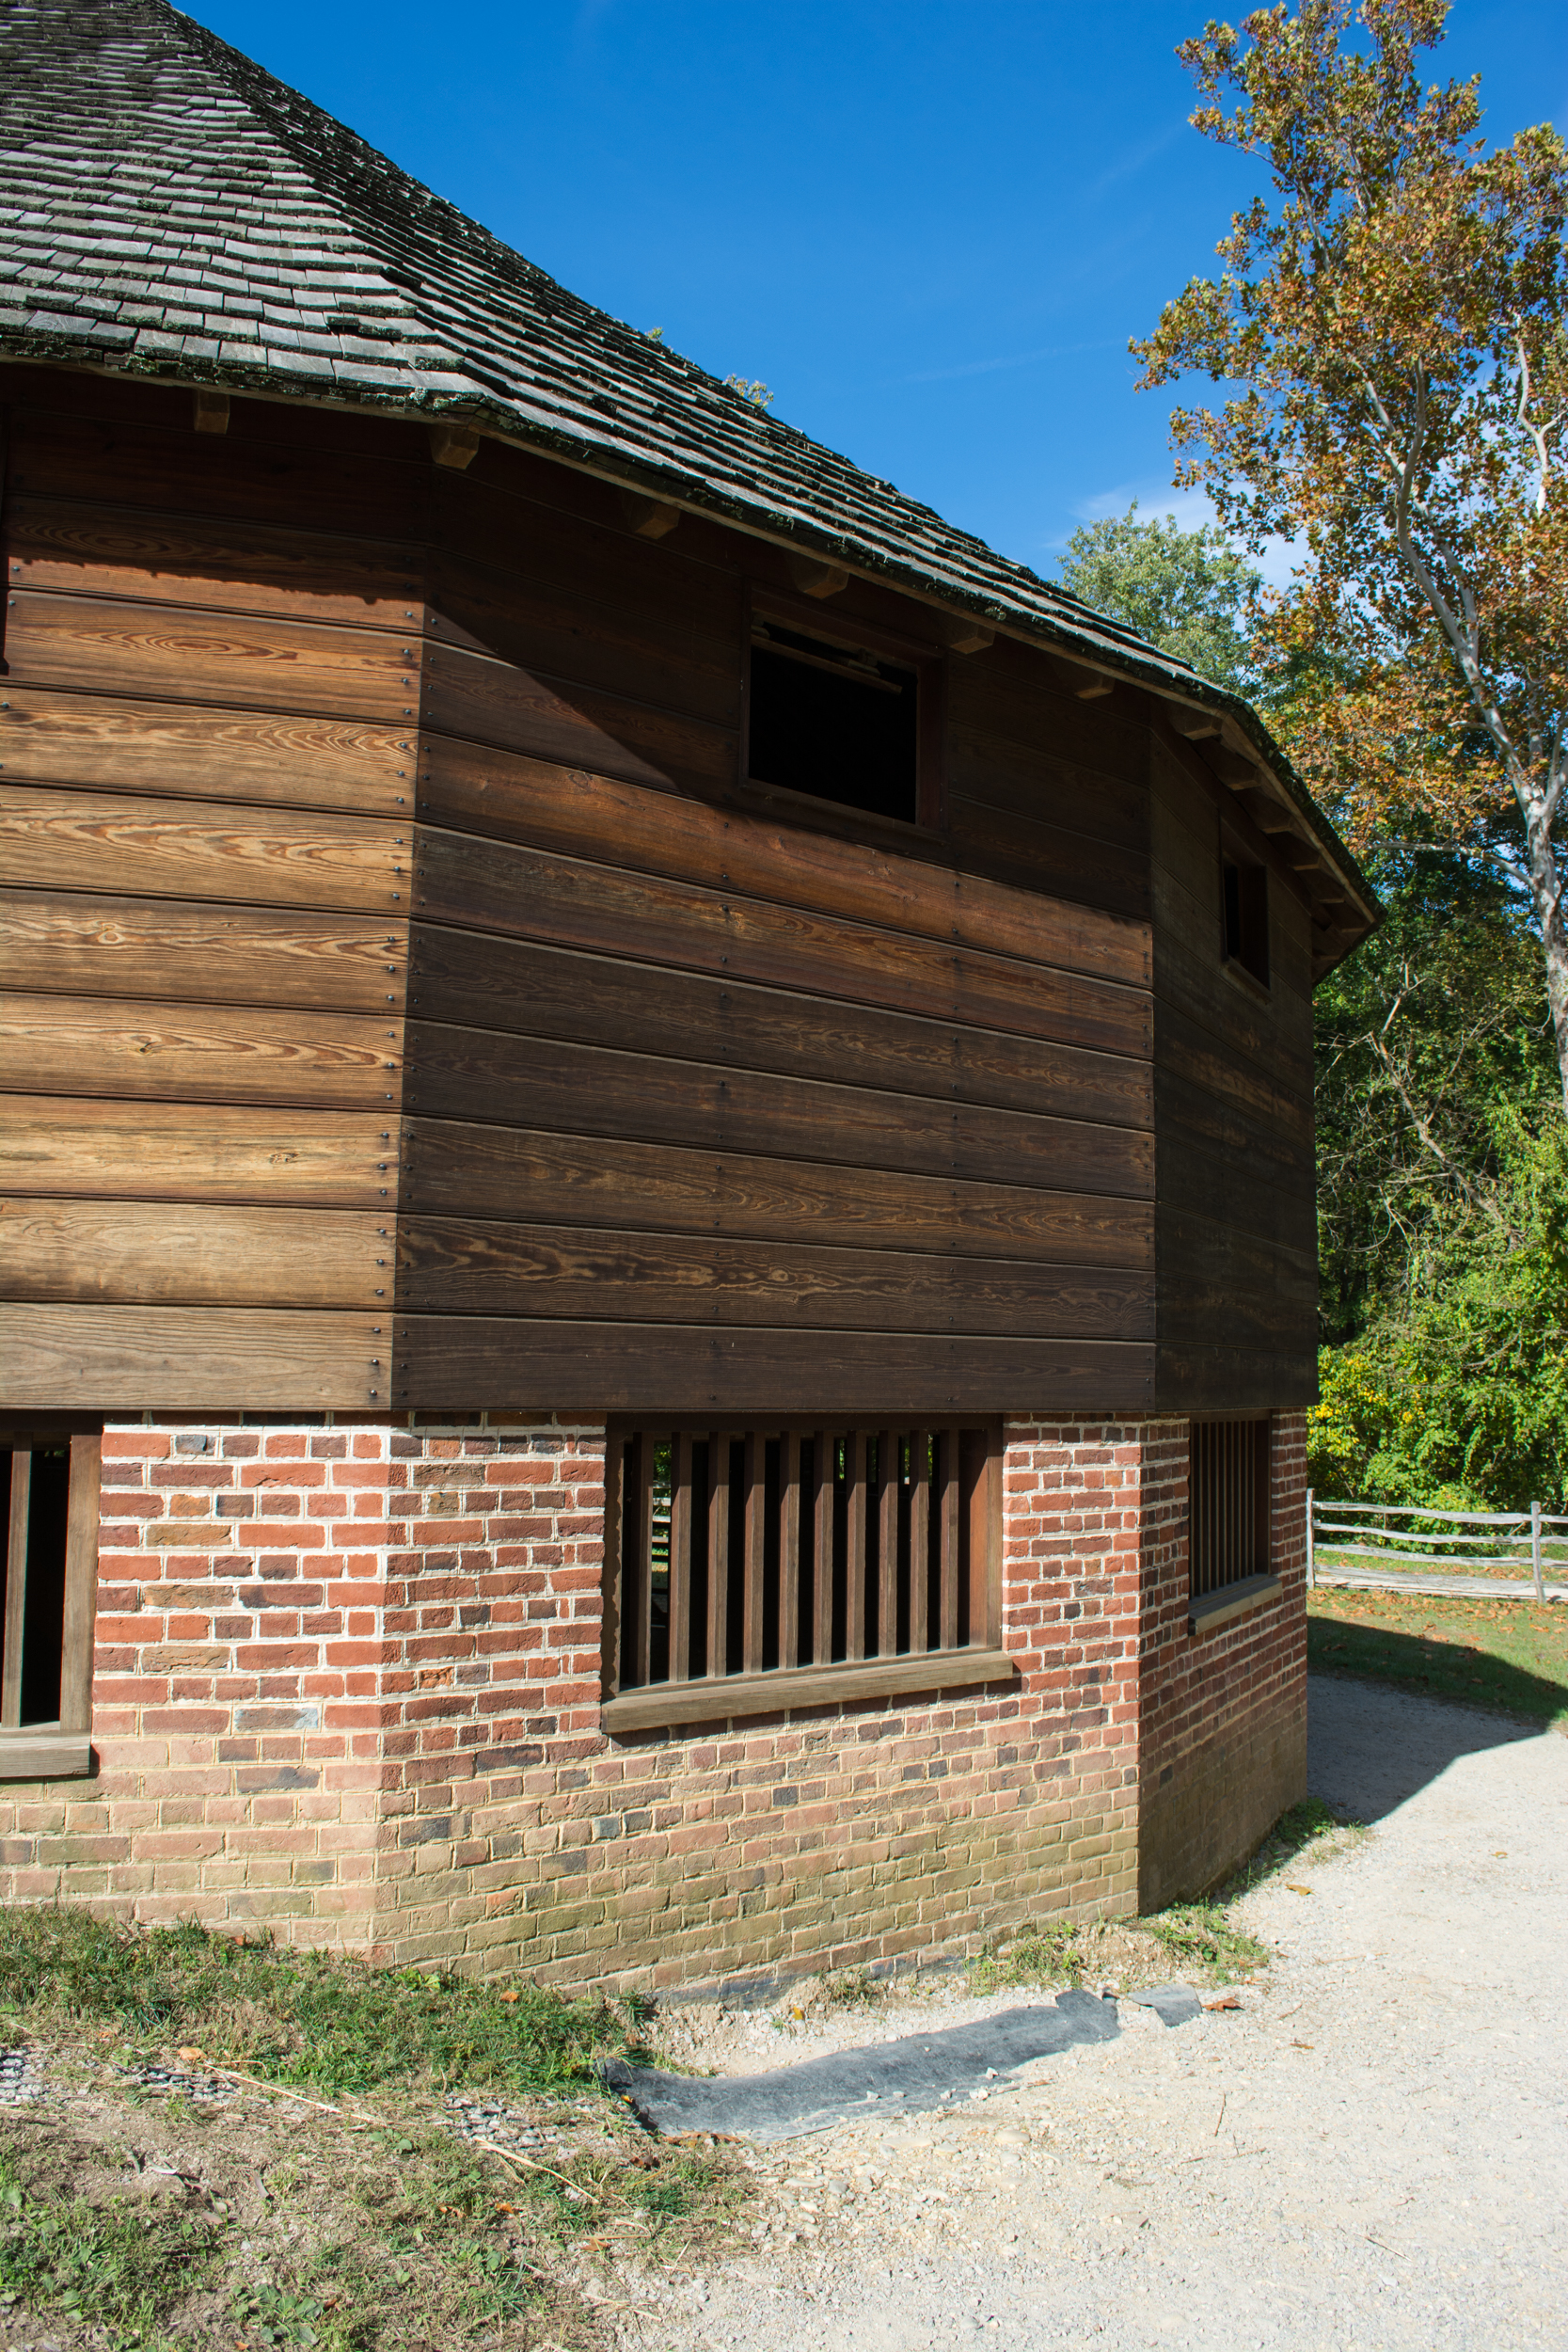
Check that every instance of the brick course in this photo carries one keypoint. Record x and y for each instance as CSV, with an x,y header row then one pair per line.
x,y
347,1685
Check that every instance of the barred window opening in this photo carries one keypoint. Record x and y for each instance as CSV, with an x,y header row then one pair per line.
x,y
1228,1504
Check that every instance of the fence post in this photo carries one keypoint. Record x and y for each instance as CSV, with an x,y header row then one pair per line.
x,y
1311,1575
1535,1547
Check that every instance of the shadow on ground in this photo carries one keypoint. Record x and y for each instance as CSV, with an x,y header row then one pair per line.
x,y
1366,1763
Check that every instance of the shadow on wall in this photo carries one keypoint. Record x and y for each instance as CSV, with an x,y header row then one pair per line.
x,y
1370,1749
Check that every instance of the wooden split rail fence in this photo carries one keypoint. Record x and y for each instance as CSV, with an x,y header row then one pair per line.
x,y
1389,1547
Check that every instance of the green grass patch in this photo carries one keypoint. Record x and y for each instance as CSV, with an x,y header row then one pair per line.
x,y
1507,1655
116,2265
1043,1955
308,2019
1204,1941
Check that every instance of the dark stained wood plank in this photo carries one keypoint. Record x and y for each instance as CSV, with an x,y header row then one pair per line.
x,y
448,1363
55,1145
1071,864
125,552
1274,1033
789,1548
859,1505
544,806
1010,695
1224,1379
681,1529
199,1053
467,1073
475,979
718,1628
1189,1118
457,1169
193,1360
1034,783
72,944
478,885
920,1540
252,756
1194,1057
179,1253
81,1581
56,840
1198,1185
123,647
484,701
754,1619
447,1268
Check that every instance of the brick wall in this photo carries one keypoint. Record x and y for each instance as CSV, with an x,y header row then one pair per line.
x,y
347,1684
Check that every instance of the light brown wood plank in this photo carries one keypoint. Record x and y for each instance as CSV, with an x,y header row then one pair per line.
x,y
681,1529
81,1582
192,1360
200,1054
753,1625
11,1653
789,1548
168,1254
60,1145
718,1549
62,840
72,944
245,755
920,1540
735,1697
99,644
469,1170
856,1543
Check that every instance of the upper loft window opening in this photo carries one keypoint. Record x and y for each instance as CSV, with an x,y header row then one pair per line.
x,y
1245,902
838,724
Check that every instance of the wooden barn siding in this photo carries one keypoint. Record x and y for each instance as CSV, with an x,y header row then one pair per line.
x,y
1236,1240
627,1182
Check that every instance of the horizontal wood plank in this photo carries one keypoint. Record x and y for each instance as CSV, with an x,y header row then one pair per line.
x,y
179,1253
1010,695
1204,1185
59,840
1052,857
484,700
448,1267
453,1169
56,1144
123,647
479,980
220,753
193,1360
449,1364
1188,1117
729,1698
470,1073
151,1052
78,944
568,902
1225,1379
879,882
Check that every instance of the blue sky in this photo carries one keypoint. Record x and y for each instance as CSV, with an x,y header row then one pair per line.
x,y
929,226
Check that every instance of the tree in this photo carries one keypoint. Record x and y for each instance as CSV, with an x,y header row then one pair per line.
x,y
1185,590
1396,321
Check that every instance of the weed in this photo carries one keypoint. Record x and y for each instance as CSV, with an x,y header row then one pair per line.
x,y
856,1988
1200,1937
268,2317
117,2266
1041,1956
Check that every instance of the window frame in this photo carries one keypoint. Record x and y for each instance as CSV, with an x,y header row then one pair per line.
x,y
61,1749
649,1706
1251,961
1237,1595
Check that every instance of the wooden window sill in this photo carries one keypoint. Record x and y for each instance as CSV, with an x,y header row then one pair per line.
x,y
1232,1600
723,1700
44,1752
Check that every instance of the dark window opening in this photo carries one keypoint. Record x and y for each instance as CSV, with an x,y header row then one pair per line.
x,y
32,1644
1246,895
1227,1503
838,725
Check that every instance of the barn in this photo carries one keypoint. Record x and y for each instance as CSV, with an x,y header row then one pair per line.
x,y
656,1269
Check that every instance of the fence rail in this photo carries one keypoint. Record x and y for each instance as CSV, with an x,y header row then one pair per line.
x,y
1414,1547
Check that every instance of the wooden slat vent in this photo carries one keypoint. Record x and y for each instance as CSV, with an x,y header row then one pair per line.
x,y
754,1551
1228,1493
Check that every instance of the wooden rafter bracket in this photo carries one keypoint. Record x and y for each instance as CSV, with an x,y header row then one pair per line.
x,y
649,519
1199,726
962,635
815,579
210,410
454,446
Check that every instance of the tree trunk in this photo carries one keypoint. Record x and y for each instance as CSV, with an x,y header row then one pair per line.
x,y
1546,888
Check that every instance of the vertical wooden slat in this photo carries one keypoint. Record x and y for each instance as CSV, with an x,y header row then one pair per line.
x,y
920,1541
641,1601
789,1549
16,1591
718,1552
985,1547
81,1582
824,1451
947,1627
755,1538
889,1447
855,1446
680,1558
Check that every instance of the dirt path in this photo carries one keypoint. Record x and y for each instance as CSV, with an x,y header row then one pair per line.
x,y
1370,2154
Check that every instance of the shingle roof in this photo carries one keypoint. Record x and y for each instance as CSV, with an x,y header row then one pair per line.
x,y
169,208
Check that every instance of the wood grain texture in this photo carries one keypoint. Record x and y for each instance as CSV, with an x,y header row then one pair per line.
x,y
152,1052
58,840
58,1145
572,903
81,1582
468,1075
75,944
1188,1117
1052,857
453,1169
177,1253
251,757
447,1266
450,1362
119,646
916,890
1222,1379
193,1360
1008,696
125,552
479,980
730,1698
480,700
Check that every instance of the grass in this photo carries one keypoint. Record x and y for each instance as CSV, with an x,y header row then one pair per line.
x,y
108,2265
307,2019
1511,1655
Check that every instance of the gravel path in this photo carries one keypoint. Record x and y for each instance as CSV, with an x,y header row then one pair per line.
x,y
1370,2154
